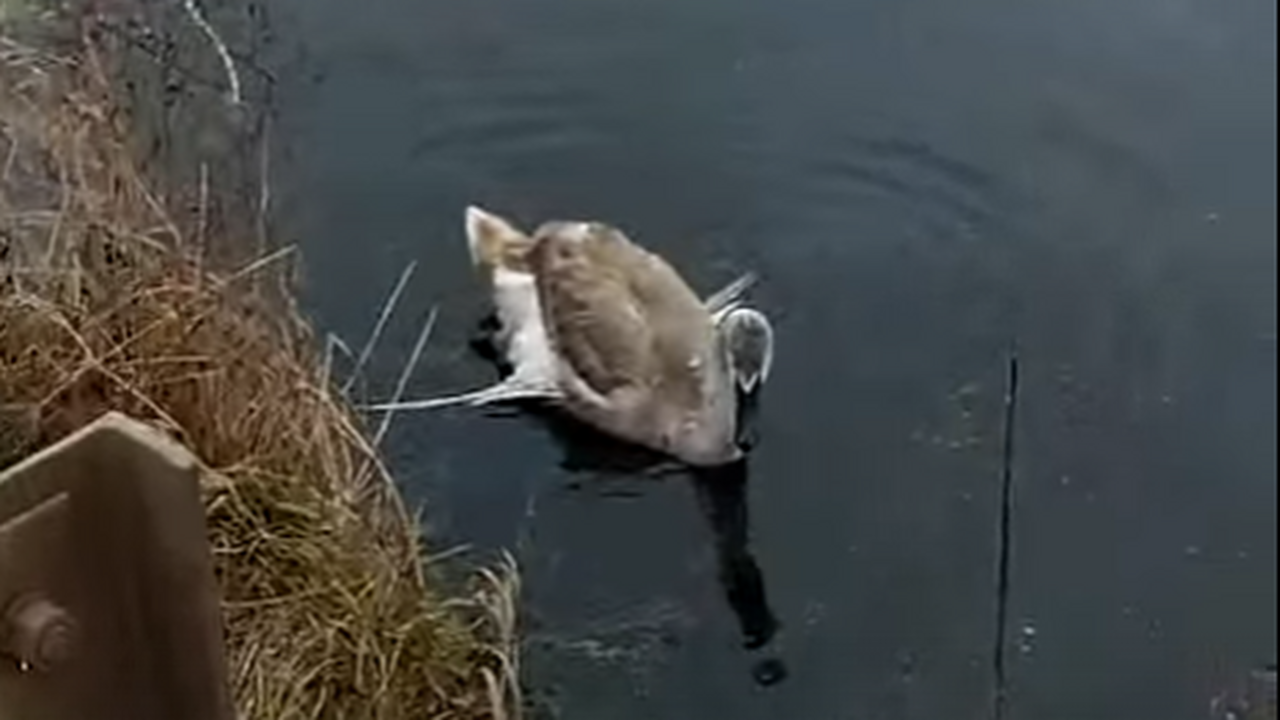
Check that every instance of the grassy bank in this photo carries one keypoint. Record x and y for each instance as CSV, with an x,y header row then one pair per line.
x,y
110,298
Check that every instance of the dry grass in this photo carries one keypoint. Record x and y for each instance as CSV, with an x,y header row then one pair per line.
x,y
330,608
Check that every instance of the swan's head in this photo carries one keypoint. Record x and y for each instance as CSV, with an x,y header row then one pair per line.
x,y
723,430
746,339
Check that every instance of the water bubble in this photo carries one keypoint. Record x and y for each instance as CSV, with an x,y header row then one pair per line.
x,y
1027,637
769,672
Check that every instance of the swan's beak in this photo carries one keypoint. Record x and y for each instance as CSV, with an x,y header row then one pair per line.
x,y
747,338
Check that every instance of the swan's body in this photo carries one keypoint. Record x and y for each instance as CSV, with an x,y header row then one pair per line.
x,y
610,332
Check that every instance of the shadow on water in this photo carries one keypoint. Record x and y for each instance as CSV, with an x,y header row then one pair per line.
x,y
614,468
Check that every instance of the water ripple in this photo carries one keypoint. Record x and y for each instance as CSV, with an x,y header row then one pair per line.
x,y
912,171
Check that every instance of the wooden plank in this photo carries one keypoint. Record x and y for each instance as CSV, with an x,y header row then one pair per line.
x,y
108,526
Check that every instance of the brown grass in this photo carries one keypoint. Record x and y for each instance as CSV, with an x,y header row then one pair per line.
x,y
330,606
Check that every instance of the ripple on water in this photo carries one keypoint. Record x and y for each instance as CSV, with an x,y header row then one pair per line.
x,y
504,124
914,172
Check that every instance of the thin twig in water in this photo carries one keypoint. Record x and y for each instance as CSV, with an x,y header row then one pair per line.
x,y
452,552
233,78
264,184
505,391
257,265
383,315
403,382
1005,547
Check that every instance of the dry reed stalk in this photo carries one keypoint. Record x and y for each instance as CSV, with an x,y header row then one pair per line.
x,y
104,304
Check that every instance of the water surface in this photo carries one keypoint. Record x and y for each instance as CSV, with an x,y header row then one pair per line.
x,y
921,184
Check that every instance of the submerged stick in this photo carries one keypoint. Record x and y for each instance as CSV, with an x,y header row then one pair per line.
x,y
1005,547
228,65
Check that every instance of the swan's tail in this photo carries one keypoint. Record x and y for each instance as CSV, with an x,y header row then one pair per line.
x,y
494,242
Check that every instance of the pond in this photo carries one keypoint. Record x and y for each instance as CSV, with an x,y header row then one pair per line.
x,y
925,188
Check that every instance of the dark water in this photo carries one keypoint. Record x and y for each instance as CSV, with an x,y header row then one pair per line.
x,y
920,184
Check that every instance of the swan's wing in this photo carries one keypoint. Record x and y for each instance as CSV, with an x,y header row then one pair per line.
x,y
622,317
595,324
683,335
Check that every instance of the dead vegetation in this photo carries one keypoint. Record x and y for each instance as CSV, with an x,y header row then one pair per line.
x,y
106,302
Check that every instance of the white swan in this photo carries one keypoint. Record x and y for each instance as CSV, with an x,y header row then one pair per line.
x,y
610,332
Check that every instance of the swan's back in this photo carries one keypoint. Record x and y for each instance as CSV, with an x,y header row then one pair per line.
x,y
621,317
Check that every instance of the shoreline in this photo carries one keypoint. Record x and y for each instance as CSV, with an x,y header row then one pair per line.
x,y
132,279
